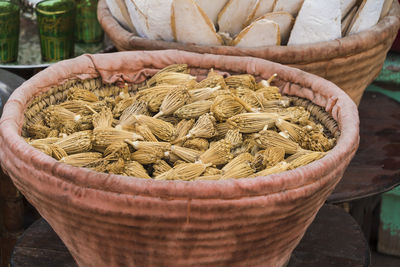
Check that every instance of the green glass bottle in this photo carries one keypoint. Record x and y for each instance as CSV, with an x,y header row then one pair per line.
x,y
56,20
9,31
87,27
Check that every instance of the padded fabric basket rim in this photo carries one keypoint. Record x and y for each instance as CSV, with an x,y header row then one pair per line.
x,y
337,105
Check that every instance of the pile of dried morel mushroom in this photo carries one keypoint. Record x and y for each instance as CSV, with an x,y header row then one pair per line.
x,y
176,128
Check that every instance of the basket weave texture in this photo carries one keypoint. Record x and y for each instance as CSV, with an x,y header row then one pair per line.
x,y
352,62
111,220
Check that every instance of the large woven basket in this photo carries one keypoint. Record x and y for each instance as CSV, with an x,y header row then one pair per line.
x,y
111,220
352,63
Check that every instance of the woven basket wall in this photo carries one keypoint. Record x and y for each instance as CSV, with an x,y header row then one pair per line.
x,y
111,220
352,63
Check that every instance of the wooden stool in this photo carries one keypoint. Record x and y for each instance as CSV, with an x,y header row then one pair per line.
x,y
333,239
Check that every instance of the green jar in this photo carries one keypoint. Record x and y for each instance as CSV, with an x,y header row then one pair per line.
x,y
56,20
87,27
9,31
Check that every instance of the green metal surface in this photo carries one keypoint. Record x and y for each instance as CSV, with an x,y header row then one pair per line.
x,y
391,69
390,212
389,93
388,81
389,228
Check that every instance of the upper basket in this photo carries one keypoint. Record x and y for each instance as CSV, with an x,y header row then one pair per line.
x,y
352,62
